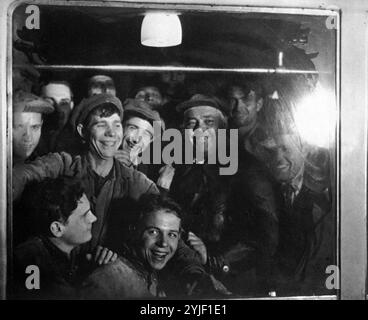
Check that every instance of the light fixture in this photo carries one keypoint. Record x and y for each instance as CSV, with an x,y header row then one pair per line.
x,y
161,30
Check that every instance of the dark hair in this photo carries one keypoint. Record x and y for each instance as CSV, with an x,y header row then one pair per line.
x,y
147,205
136,212
51,200
104,110
246,85
154,202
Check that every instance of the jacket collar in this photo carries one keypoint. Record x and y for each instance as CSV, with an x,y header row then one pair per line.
x,y
118,169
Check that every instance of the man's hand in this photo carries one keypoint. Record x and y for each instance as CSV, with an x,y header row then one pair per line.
x,y
197,244
166,176
123,157
104,255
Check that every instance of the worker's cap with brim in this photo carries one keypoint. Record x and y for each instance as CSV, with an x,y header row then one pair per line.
x,y
100,78
141,109
87,105
28,102
201,100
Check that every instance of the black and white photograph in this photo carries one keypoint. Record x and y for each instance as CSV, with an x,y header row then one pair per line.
x,y
183,150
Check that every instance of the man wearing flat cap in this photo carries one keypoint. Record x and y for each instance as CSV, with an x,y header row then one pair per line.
x,y
101,84
97,121
107,181
28,110
193,183
203,192
139,133
138,125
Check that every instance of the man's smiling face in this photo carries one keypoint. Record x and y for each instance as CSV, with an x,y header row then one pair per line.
x,y
283,155
105,135
26,133
205,121
160,234
138,134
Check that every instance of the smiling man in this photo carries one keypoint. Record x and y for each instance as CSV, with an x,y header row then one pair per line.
x,y
138,131
246,101
97,121
285,159
160,232
106,180
306,223
153,241
28,110
103,132
198,187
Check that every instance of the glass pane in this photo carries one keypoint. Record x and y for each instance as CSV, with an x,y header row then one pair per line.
x,y
255,90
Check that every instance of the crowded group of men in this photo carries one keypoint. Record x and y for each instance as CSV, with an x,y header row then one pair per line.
x,y
99,224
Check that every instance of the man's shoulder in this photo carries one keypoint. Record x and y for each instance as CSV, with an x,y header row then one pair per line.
x,y
127,172
116,280
121,270
32,244
55,161
30,251
119,265
135,178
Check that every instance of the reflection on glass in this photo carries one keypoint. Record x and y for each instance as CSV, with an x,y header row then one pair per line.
x,y
314,117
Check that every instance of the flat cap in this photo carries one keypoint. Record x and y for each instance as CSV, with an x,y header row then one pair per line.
x,y
200,100
87,105
140,108
27,102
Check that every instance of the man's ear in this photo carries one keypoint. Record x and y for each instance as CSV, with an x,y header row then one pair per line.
x,y
71,105
259,104
57,229
80,128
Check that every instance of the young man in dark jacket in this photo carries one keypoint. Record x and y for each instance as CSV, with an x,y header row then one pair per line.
x,y
45,266
153,240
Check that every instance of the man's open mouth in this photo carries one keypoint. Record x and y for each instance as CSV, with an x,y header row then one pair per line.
x,y
158,255
108,143
132,147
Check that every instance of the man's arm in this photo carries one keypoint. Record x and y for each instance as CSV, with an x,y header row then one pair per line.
x,y
48,166
186,276
140,185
